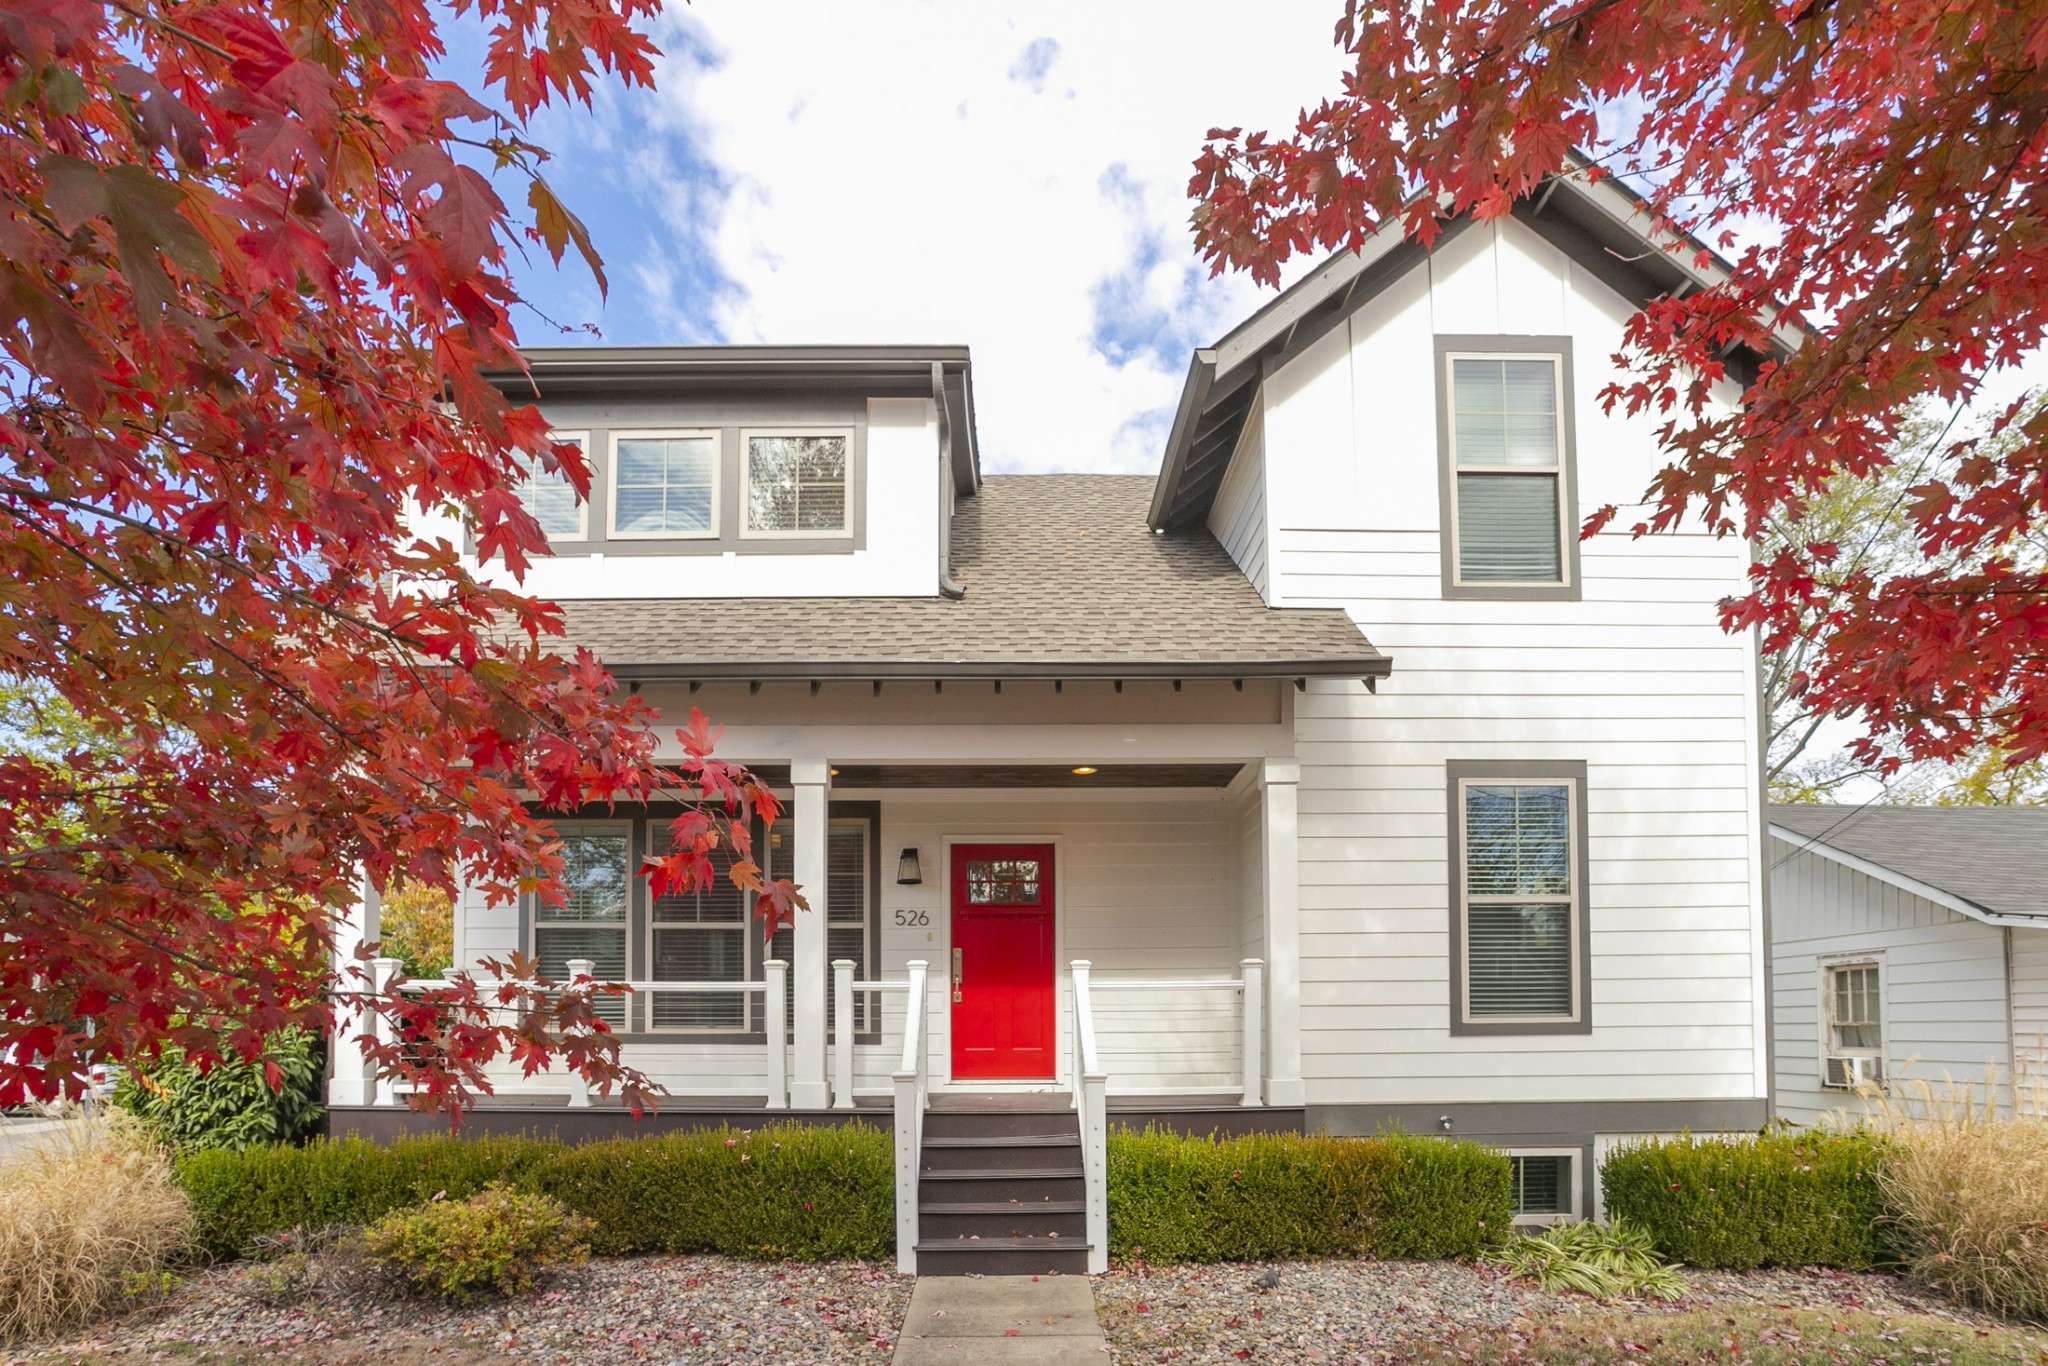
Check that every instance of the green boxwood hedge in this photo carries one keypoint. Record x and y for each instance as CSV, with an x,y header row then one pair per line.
x,y
1788,1198
782,1190
1177,1199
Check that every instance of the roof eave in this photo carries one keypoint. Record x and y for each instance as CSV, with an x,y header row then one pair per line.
x,y
1808,844
1361,667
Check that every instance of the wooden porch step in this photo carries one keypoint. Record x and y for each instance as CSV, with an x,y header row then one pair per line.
x,y
1001,1257
1002,1141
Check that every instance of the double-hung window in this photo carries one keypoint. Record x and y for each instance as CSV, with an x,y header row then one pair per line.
x,y
699,936
796,482
849,914
591,922
1507,438
664,485
1852,1005
1518,892
551,499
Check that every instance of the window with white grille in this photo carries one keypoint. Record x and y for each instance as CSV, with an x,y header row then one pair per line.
x,y
1852,1007
592,920
551,498
1517,897
1505,428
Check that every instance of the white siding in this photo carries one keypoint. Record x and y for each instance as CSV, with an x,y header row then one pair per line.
x,y
900,559
1148,887
1239,517
1637,680
2030,1004
1943,977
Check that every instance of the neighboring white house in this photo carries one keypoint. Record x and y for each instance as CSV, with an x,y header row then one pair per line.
x,y
1905,933
1370,794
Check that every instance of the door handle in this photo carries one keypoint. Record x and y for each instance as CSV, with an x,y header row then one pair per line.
x,y
959,975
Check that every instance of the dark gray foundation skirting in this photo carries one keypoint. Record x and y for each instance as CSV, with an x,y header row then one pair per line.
x,y
1546,1124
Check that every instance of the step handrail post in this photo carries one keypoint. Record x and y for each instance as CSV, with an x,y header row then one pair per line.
x,y
908,1118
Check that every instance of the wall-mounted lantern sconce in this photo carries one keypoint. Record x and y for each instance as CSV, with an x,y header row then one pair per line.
x,y
908,871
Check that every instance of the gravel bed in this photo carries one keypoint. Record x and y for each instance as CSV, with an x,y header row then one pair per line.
x,y
1344,1311
667,1309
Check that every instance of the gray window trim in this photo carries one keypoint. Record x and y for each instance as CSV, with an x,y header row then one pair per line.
x,y
752,537
1448,344
638,821
598,439
1458,772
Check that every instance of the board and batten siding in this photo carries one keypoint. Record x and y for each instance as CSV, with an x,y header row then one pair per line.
x,y
2030,1005
1942,975
1636,679
1239,518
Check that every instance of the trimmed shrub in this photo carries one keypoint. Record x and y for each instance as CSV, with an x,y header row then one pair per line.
x,y
88,1218
1176,1199
783,1190
497,1242
241,1195
1785,1198
230,1105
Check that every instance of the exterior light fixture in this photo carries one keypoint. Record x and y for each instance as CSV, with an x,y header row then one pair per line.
x,y
1085,769
909,873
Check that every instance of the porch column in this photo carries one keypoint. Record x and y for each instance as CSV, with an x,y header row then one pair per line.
x,y
812,780
1280,885
349,1079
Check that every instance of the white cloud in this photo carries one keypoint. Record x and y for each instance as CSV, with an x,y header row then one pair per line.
x,y
917,172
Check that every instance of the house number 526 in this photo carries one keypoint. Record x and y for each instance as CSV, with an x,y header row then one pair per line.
x,y
913,918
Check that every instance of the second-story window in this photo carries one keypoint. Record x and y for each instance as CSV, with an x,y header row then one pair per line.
x,y
551,498
795,483
1507,442
664,484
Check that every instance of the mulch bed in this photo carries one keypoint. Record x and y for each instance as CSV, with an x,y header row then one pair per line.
x,y
1382,1311
670,1309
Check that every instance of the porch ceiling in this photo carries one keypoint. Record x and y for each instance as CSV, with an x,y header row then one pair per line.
x,y
1032,775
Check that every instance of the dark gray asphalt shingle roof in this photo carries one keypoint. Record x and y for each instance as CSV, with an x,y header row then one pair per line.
x,y
1059,570
1994,857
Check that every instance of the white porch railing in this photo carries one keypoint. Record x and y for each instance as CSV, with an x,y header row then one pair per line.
x,y
1249,985
773,986
912,1082
1091,1088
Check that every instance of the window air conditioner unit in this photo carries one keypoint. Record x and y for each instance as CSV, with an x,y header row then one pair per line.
x,y
1847,1073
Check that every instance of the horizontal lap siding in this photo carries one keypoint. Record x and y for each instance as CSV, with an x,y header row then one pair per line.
x,y
1148,887
1636,679
1944,1003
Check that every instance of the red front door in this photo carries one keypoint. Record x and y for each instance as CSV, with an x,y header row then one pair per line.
x,y
1002,977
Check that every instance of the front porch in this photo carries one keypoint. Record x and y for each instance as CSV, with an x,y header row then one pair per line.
x,y
1115,941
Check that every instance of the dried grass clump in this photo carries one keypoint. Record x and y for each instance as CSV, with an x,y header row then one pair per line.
x,y
89,1216
1967,1181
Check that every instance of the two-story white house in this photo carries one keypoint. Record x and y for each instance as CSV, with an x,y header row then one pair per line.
x,y
1326,780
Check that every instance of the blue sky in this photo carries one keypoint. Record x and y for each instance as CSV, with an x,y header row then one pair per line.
x,y
916,172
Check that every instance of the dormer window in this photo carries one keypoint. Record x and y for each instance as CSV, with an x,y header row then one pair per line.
x,y
551,498
1505,425
796,482
665,484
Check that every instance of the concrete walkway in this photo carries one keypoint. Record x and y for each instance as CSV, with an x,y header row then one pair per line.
x,y
1002,1320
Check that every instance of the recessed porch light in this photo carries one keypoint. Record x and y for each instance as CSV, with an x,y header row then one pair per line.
x,y
1085,769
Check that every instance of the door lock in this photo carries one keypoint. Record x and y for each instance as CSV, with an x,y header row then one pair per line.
x,y
959,975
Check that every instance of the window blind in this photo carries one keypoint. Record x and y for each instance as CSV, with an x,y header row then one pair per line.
x,y
591,922
1520,921
1505,440
1542,1184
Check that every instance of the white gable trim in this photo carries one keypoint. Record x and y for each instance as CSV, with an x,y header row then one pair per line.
x,y
1806,844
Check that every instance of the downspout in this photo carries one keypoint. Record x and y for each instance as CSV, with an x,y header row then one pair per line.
x,y
949,586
